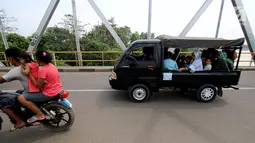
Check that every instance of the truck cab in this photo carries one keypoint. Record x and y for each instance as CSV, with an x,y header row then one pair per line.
x,y
145,68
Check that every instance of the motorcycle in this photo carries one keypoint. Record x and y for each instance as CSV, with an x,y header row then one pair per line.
x,y
51,109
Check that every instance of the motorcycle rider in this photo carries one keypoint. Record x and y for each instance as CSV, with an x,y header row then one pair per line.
x,y
9,99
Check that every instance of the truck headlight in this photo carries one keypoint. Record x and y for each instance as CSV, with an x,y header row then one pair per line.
x,y
113,75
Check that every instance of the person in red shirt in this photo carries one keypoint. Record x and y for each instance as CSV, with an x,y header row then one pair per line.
x,y
29,66
48,81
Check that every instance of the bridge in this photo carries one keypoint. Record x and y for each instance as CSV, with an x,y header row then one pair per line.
x,y
104,115
107,116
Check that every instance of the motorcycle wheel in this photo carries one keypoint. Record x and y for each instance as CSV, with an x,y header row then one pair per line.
x,y
53,124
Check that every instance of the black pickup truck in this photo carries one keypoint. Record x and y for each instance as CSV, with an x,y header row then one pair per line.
x,y
143,77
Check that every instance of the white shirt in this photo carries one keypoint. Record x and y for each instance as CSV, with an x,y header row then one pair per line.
x,y
207,67
16,74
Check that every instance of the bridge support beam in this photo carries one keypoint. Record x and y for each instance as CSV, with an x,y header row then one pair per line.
x,y
195,18
6,46
149,20
107,25
219,20
44,23
241,15
77,34
245,24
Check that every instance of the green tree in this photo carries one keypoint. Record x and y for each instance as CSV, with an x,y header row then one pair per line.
x,y
93,45
134,36
143,35
67,23
15,41
60,39
100,33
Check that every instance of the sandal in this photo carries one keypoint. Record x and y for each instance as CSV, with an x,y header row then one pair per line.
x,y
34,119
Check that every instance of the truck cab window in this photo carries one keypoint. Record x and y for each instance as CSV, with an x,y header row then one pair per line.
x,y
143,53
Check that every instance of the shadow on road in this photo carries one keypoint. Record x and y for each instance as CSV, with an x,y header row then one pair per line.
x,y
161,100
164,103
28,135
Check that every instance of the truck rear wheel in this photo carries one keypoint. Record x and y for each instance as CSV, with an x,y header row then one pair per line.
x,y
206,93
139,93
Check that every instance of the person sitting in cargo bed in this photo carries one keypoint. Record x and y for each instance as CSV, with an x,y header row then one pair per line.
x,y
218,63
170,64
196,65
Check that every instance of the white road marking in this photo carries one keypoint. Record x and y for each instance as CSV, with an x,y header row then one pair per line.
x,y
112,90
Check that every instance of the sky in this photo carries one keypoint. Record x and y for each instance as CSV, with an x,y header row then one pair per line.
x,y
168,16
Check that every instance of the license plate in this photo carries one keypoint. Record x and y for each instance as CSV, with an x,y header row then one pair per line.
x,y
66,103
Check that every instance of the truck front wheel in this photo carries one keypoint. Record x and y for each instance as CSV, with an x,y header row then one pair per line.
x,y
139,93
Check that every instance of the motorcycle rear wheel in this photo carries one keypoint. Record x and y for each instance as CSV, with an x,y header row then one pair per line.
x,y
50,123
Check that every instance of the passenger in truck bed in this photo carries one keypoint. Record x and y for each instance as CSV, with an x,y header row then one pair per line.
x,y
176,53
196,65
231,53
170,64
208,64
187,61
218,63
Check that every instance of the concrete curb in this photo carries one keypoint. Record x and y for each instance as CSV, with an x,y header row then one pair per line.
x,y
101,69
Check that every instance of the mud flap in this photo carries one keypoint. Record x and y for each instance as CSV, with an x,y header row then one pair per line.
x,y
220,91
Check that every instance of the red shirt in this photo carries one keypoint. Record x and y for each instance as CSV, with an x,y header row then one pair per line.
x,y
50,73
34,68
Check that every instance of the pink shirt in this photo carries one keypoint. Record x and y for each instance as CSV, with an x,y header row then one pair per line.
x,y
34,67
50,73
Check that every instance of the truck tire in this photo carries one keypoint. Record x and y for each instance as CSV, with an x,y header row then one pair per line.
x,y
206,93
139,93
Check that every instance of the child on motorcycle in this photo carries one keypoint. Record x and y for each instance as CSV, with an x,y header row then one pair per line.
x,y
29,66
48,81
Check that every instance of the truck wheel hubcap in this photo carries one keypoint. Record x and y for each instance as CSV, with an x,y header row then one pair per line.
x,y
139,94
207,93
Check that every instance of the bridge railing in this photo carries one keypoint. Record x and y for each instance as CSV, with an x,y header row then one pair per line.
x,y
103,57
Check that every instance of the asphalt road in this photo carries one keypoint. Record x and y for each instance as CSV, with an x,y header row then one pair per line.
x,y
105,116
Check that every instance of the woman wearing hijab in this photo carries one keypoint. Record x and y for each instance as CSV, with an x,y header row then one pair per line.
x,y
229,62
196,65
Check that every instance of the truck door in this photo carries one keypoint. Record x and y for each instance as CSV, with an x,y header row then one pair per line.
x,y
146,68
